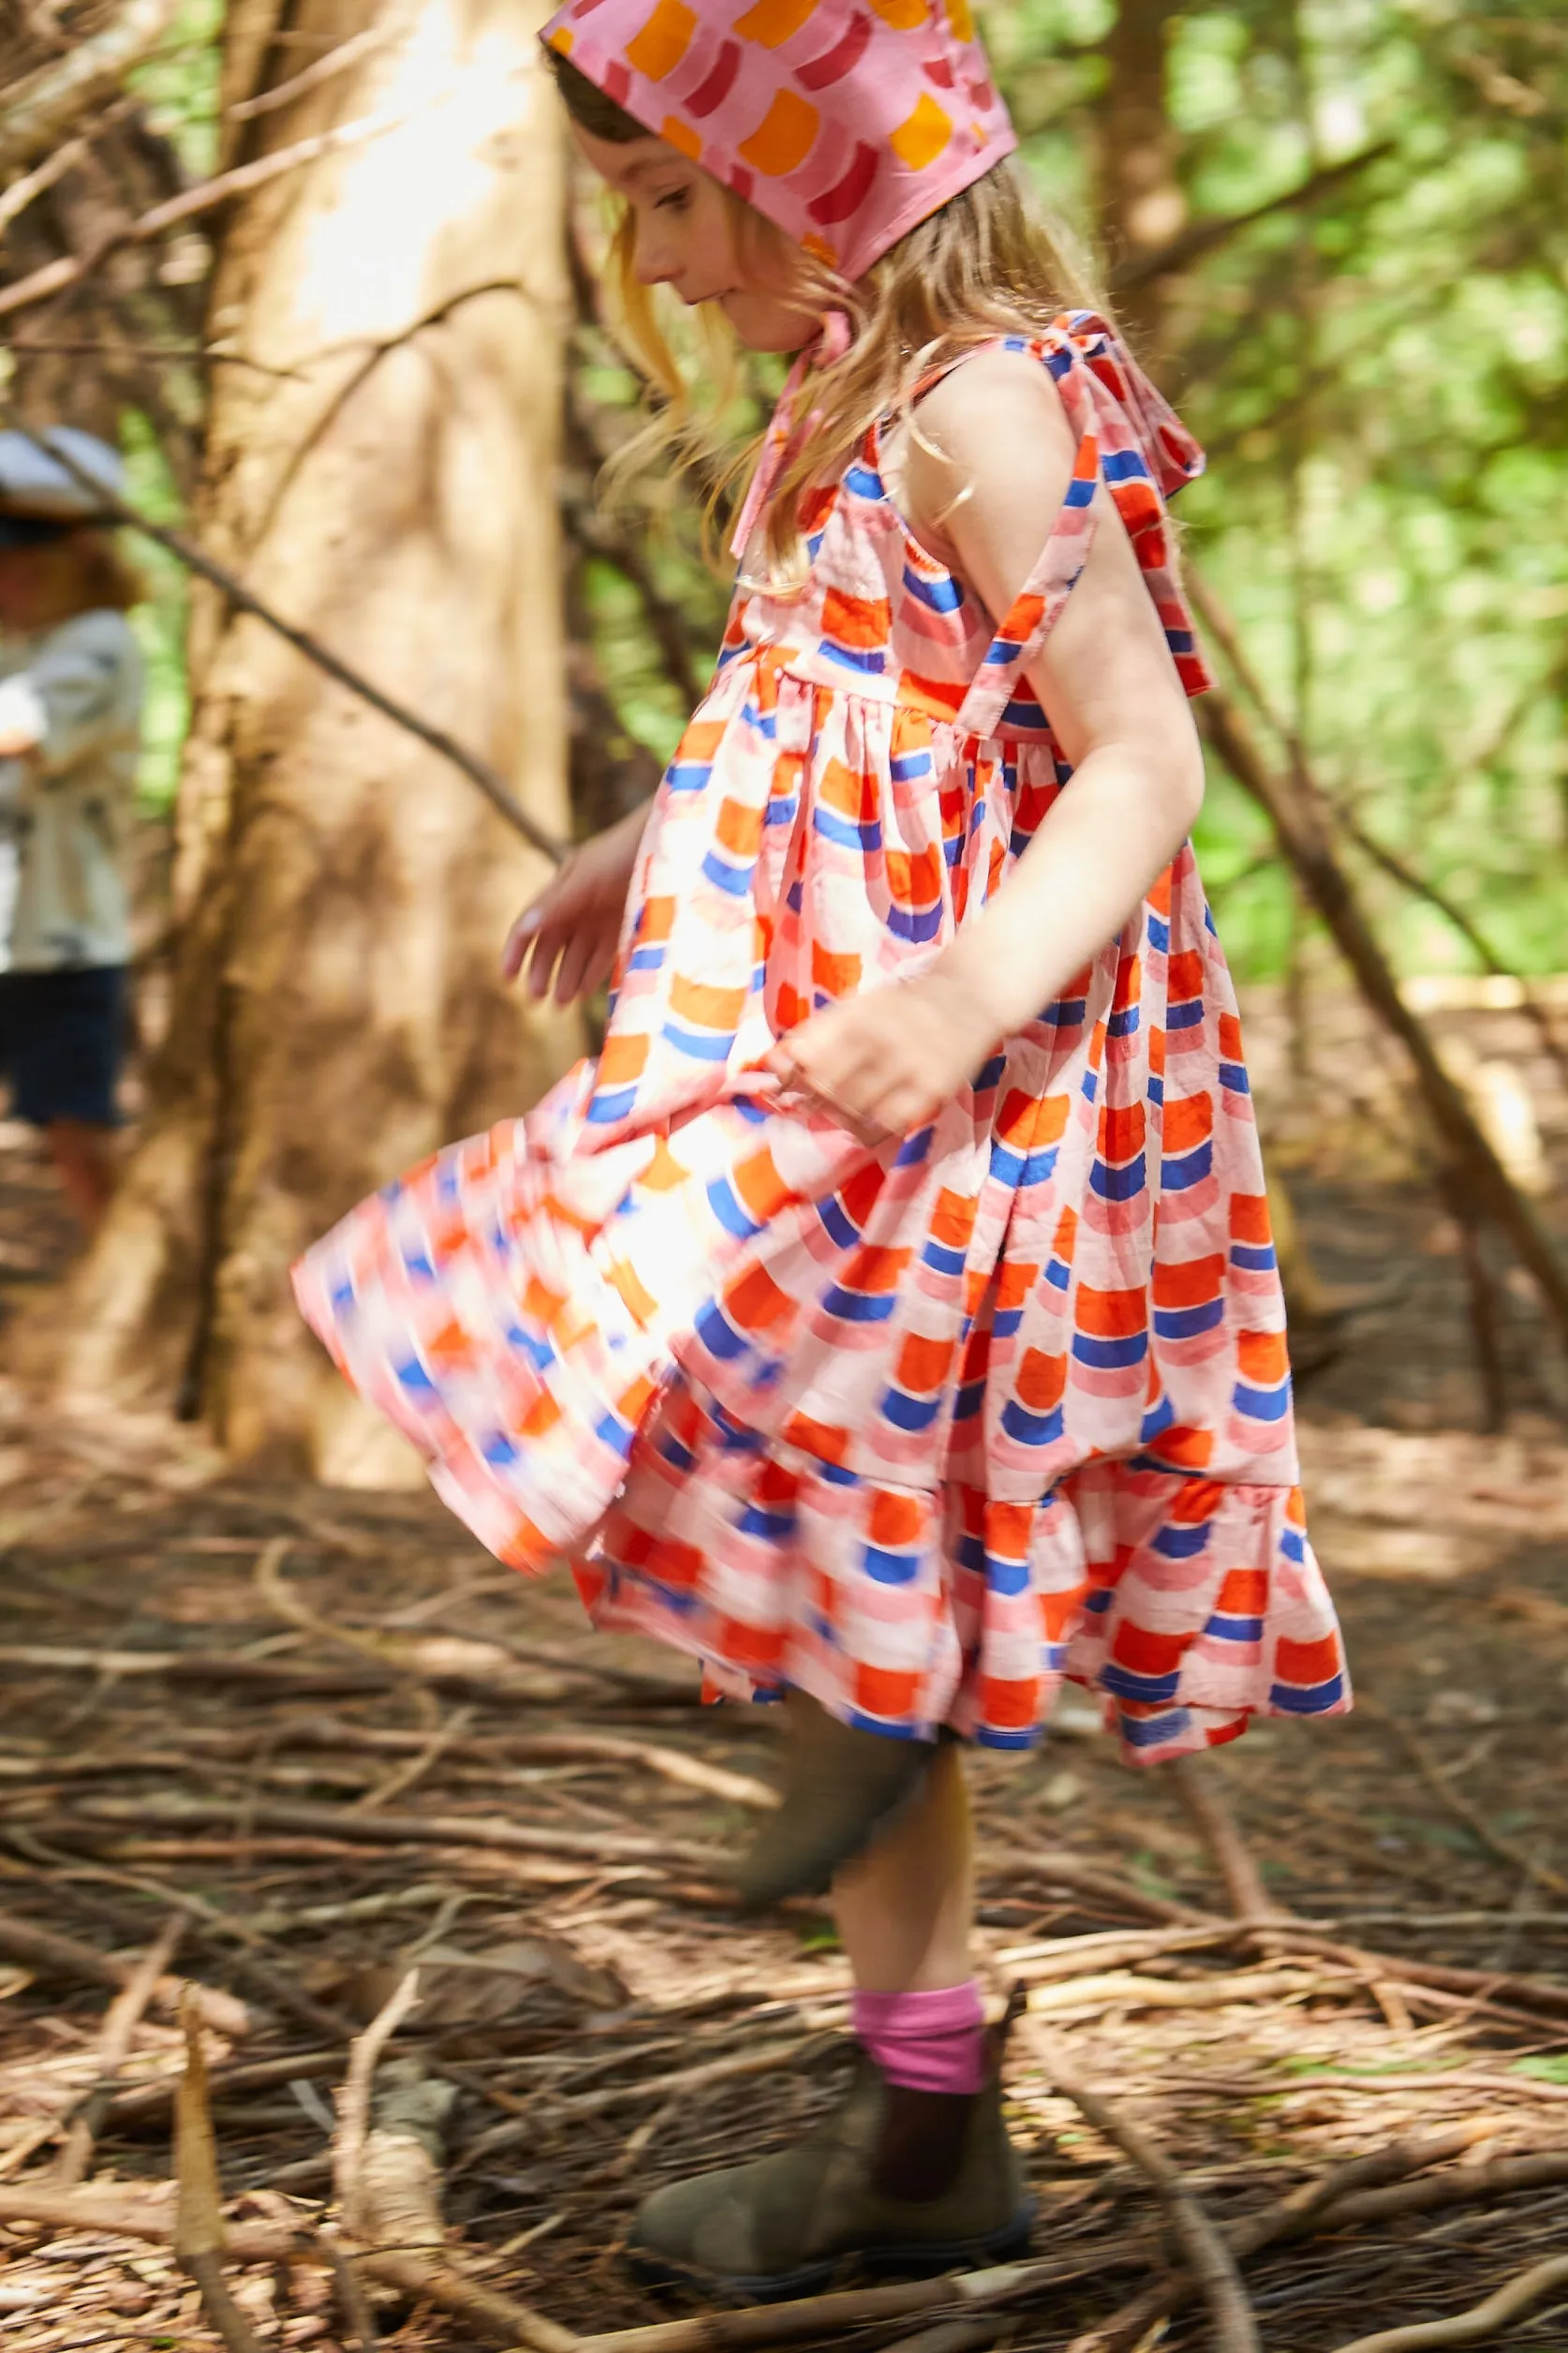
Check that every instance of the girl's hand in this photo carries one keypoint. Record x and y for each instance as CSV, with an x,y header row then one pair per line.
x,y
572,928
883,1064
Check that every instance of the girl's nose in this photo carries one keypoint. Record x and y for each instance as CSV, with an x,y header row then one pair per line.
x,y
653,260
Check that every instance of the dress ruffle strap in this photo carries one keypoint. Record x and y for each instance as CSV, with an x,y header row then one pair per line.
x,y
1130,438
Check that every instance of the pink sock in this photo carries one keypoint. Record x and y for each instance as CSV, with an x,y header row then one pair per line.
x,y
929,2042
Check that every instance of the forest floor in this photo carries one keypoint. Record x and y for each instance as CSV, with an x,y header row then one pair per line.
x,y
334,1738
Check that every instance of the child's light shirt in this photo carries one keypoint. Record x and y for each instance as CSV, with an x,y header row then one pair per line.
x,y
65,806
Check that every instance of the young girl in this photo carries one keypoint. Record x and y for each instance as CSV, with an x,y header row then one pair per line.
x,y
70,719
888,1315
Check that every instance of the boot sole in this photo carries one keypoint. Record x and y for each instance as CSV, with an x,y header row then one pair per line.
x,y
924,2260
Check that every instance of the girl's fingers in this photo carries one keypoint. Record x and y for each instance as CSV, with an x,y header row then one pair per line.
x,y
573,966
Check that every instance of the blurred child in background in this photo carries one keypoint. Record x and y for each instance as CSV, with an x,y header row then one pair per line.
x,y
70,722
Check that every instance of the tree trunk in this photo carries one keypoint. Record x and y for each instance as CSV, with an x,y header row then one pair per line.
x,y
1141,202
341,894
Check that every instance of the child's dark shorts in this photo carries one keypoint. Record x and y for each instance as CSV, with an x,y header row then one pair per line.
x,y
62,1041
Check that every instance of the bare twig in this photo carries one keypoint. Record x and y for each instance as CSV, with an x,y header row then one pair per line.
x,y
636,2089
1203,236
491,783
16,196
1202,1794
1438,1782
311,76
1296,2214
43,1949
419,1829
414,1769
1485,955
124,2016
1061,1870
358,2316
1213,2263
1303,837
199,2231
353,2105
37,111
53,277
1480,2323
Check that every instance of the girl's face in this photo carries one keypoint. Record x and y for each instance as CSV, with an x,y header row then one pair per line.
x,y
34,582
685,239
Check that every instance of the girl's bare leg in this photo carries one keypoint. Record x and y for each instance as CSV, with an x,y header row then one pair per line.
x,y
84,1157
905,1908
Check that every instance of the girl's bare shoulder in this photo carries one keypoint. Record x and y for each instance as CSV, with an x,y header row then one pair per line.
x,y
992,434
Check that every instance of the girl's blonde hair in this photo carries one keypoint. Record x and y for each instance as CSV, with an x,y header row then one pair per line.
x,y
990,262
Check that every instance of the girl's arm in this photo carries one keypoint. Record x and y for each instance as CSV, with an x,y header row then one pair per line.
x,y
988,493
75,694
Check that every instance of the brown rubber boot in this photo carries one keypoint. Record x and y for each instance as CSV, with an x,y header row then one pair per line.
x,y
841,1786
902,2181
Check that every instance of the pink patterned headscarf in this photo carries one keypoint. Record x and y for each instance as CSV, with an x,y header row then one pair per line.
x,y
846,122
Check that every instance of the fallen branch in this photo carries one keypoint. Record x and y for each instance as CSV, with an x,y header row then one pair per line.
x,y
1303,2211
1065,1871
245,600
50,1953
124,2016
1202,1797
199,2229
1213,2263
688,1773
139,2101
1122,1990
1481,2322
414,1829
598,2102
358,2317
1539,2169
501,2318
1438,1782
353,2102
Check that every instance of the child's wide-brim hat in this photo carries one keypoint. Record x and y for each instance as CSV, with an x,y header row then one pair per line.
x,y
846,122
34,487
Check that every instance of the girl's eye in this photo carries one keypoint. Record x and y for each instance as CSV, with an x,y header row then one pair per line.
x,y
675,201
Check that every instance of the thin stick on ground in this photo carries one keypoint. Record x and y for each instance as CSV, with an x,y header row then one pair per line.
x,y
54,1955
199,2232
123,2018
1477,2326
1460,1806
358,2318
353,2101
1321,2204
1205,1800
1212,2262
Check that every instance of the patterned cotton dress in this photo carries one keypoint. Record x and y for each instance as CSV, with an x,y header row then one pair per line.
x,y
920,1430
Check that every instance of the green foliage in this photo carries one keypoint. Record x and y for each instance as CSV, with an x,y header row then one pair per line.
x,y
160,623
1551,2067
1379,375
1382,380
179,84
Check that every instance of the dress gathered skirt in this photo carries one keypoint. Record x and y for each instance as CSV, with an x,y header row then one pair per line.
x,y
922,1430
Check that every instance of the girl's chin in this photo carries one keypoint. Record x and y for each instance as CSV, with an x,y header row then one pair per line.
x,y
762,325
